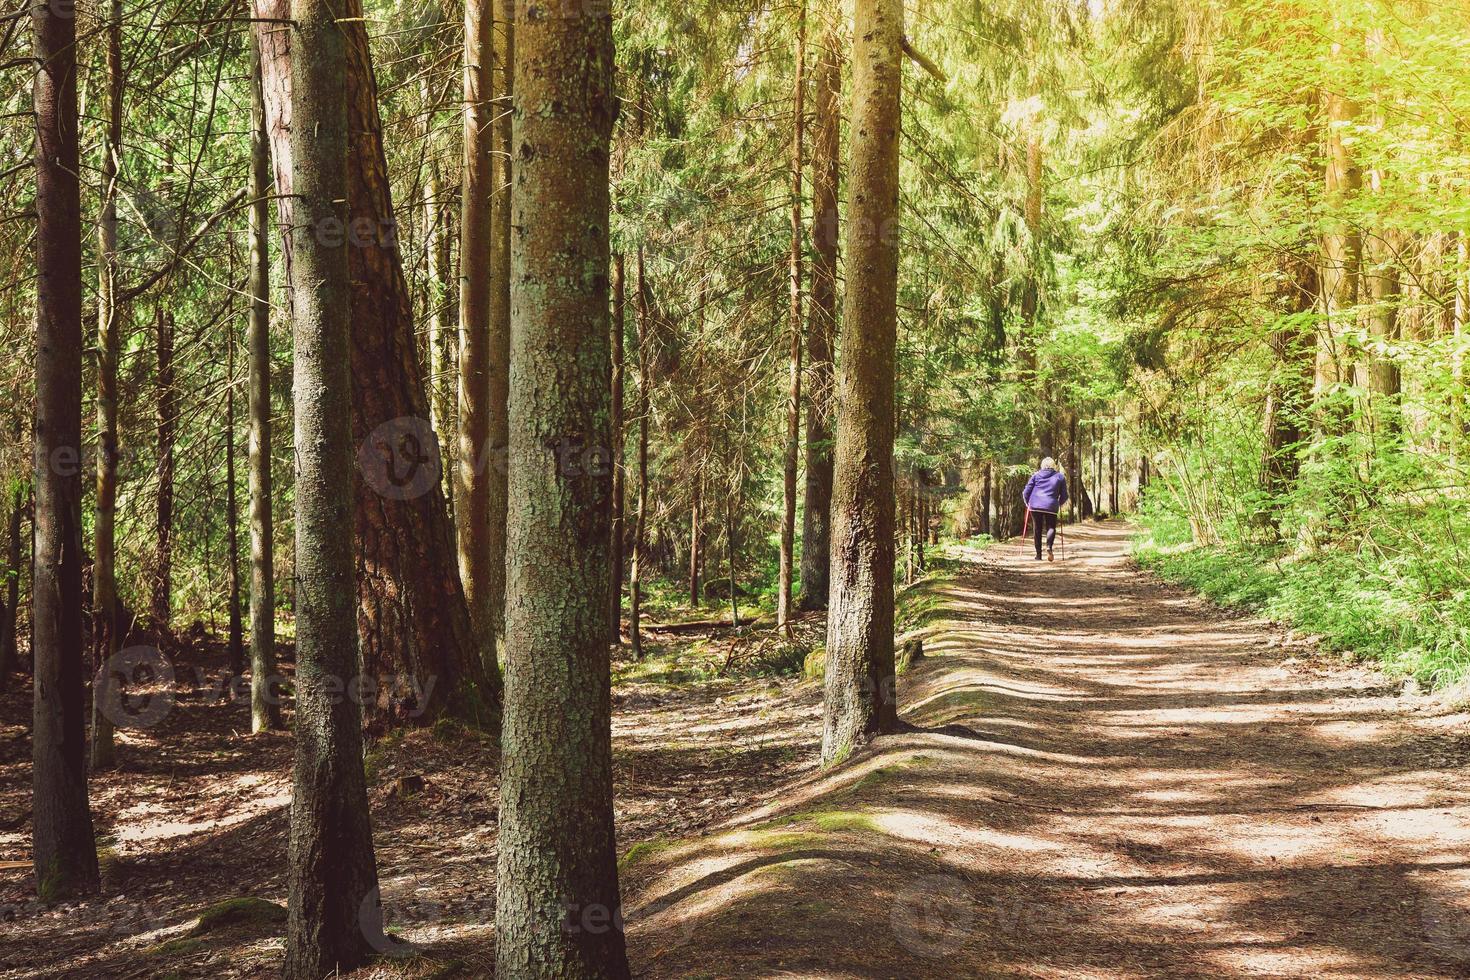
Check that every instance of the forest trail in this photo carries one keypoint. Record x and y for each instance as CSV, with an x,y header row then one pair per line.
x,y
1108,779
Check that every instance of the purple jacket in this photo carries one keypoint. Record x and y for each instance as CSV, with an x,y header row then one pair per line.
x,y
1045,491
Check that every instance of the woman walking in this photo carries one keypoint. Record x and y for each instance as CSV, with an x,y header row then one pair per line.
x,y
1044,495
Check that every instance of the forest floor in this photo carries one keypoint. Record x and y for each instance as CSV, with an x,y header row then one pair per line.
x,y
1104,777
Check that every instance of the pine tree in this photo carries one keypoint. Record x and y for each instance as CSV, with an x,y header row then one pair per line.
x,y
331,874
860,665
558,913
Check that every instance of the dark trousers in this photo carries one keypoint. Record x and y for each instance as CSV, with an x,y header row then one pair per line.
x,y
1043,523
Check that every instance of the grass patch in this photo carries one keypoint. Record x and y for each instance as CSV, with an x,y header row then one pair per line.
x,y
236,912
644,851
183,946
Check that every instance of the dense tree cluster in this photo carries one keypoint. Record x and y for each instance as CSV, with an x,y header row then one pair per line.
x,y
446,342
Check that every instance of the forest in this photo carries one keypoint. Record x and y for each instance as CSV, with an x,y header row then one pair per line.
x,y
763,488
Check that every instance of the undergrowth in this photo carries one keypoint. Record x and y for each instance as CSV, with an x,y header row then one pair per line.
x,y
1364,594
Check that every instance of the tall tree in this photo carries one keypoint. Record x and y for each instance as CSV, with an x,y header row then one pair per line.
x,y
645,408
558,913
265,710
1342,244
500,324
441,339
793,398
859,701
477,465
63,850
10,622
235,639
413,621
331,872
619,468
816,529
167,403
1288,393
1031,290
109,348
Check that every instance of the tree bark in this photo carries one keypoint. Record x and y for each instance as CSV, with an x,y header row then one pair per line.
x,y
619,440
787,567
168,415
645,407
859,699
64,851
416,637
816,529
1074,469
265,709
10,622
331,871
1289,393
441,360
1383,288
987,499
500,317
694,536
1342,250
1460,403
1031,293
479,455
236,642
1114,509
558,913
109,349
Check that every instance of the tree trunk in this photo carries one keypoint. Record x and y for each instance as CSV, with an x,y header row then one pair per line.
x,y
331,871
816,528
732,526
500,321
109,349
441,339
10,622
558,913
986,499
63,849
1031,293
619,438
168,416
1342,257
793,399
1116,507
1289,392
232,516
1074,467
859,699
1460,403
416,637
479,454
640,519
694,534
1383,288
265,709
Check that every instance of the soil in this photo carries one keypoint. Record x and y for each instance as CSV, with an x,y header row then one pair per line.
x,y
1107,778
1103,777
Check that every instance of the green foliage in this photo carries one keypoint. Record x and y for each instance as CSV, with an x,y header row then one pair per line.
x,y
1407,607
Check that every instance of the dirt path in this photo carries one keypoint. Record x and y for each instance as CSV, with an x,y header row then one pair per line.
x,y
1112,780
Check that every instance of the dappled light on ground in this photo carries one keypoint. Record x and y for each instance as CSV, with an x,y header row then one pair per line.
x,y
1149,788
